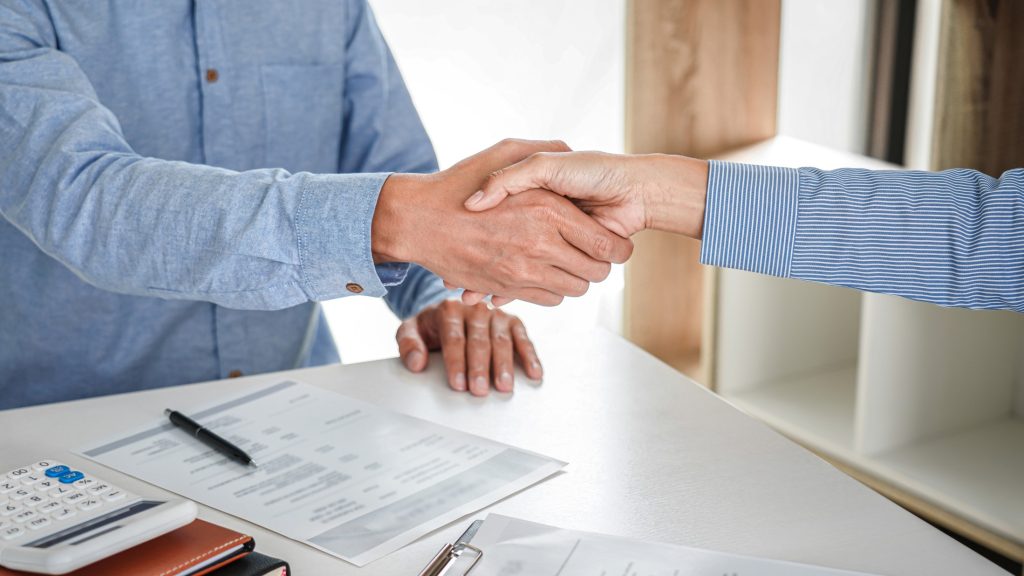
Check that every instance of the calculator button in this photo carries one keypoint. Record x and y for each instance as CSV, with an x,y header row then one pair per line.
x,y
10,509
74,497
98,489
71,477
44,464
15,474
63,514
89,504
84,483
20,494
38,523
114,495
50,507
61,491
30,479
45,485
25,516
7,485
12,532
56,471
35,500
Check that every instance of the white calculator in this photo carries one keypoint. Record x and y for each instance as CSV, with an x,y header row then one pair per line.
x,y
55,519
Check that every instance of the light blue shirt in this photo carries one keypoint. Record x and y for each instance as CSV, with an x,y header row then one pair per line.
x,y
181,181
954,238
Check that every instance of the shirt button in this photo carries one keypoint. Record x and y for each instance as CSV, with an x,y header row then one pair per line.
x,y
354,288
234,374
212,75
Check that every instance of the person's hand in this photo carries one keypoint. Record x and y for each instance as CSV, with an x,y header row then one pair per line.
x,y
477,341
536,246
626,194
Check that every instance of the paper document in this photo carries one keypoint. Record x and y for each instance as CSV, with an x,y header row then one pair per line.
x,y
350,478
514,547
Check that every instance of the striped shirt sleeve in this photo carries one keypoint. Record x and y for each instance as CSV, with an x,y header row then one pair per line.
x,y
954,238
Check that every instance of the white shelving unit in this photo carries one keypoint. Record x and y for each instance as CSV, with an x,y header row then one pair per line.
x,y
924,401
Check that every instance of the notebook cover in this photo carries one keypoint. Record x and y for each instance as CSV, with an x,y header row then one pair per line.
x,y
255,564
170,554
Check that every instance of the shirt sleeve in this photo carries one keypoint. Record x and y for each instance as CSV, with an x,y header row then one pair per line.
x,y
383,133
953,238
261,239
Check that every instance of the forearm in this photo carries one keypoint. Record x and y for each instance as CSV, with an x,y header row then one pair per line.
x,y
952,238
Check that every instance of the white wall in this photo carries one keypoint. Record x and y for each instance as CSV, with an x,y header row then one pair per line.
x,y
825,70
482,71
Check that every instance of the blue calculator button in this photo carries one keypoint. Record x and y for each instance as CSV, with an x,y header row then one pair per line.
x,y
57,471
70,477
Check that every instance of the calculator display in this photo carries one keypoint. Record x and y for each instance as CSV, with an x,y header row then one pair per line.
x,y
93,524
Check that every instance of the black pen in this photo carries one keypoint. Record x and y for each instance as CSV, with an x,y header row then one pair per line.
x,y
209,438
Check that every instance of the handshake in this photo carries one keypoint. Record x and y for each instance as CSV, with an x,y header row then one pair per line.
x,y
501,222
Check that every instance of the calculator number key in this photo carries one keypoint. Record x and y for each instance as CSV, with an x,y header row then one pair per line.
x,y
17,474
12,532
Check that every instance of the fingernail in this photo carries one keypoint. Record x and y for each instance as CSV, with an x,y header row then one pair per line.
x,y
536,367
460,381
480,385
472,200
505,382
414,359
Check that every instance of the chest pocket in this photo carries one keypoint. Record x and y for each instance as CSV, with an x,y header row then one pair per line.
x,y
304,109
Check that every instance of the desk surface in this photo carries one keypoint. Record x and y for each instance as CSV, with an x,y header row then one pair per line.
x,y
652,455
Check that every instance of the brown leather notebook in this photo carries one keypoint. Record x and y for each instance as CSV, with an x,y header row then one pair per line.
x,y
192,550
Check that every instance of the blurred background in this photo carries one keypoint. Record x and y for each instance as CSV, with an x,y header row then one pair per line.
x,y
923,404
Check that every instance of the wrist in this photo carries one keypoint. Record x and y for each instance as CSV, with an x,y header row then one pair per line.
x,y
674,199
390,230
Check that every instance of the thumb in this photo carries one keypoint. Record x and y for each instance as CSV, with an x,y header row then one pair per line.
x,y
533,172
411,347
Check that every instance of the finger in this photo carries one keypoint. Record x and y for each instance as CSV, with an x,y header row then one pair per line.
x,y
581,265
499,301
595,240
470,298
538,296
411,347
557,280
478,349
502,358
537,171
525,350
453,343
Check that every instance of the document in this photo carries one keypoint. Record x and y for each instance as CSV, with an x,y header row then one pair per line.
x,y
513,547
349,478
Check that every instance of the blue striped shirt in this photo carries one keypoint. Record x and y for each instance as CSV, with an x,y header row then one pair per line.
x,y
953,238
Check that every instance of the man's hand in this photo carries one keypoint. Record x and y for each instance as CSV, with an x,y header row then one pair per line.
x,y
537,246
474,340
626,194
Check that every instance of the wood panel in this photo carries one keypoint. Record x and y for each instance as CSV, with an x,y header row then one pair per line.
x,y
979,100
701,78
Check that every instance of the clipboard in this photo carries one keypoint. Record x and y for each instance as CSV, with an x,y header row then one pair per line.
x,y
450,553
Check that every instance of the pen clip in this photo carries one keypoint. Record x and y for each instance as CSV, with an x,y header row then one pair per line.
x,y
444,559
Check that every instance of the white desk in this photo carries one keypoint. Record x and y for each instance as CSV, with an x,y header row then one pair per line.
x,y
651,454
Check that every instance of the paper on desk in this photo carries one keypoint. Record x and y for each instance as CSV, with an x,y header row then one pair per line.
x,y
515,547
350,478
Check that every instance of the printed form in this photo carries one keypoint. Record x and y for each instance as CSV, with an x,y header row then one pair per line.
x,y
513,547
349,478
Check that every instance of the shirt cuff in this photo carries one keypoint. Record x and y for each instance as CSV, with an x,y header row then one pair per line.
x,y
332,225
750,217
